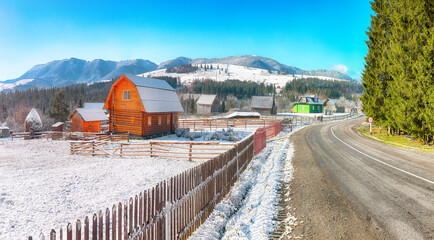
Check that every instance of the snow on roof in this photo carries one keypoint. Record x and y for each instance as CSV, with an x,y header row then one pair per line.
x,y
33,116
262,102
159,100
157,96
310,99
206,99
91,114
57,124
242,114
149,82
94,105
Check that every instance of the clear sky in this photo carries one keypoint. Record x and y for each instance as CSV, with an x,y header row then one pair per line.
x,y
309,34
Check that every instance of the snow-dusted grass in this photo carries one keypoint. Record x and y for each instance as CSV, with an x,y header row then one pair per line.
x,y
42,186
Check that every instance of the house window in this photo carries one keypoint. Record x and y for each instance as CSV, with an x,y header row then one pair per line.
x,y
149,121
126,94
168,119
159,120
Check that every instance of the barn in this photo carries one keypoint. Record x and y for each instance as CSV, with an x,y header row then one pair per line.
x,y
142,106
87,120
207,104
263,105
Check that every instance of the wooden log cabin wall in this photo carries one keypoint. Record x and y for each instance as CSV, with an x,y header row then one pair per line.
x,y
142,106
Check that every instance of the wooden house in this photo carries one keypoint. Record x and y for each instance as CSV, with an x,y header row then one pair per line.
x,y
207,104
142,106
264,105
308,104
87,120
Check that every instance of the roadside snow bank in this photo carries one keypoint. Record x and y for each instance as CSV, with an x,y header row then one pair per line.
x,y
248,210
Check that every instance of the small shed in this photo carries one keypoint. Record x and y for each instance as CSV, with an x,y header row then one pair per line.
x,y
308,104
142,106
58,127
264,105
207,104
87,120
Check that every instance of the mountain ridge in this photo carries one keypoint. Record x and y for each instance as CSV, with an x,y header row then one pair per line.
x,y
74,70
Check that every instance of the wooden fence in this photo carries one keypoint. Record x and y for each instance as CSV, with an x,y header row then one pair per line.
x,y
201,124
173,209
169,149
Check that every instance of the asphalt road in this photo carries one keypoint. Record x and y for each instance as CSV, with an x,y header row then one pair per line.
x,y
347,186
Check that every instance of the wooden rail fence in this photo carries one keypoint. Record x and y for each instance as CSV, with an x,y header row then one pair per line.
x,y
201,124
167,149
173,209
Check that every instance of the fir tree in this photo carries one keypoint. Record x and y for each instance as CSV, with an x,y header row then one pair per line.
x,y
59,109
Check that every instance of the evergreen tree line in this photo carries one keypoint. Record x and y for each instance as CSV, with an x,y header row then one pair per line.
x,y
398,78
185,68
325,88
240,89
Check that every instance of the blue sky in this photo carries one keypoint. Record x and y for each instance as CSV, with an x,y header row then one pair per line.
x,y
309,34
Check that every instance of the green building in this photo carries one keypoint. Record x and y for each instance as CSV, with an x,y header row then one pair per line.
x,y
308,104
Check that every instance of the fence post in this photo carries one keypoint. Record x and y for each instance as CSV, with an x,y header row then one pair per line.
x,y
191,147
151,147
121,146
93,148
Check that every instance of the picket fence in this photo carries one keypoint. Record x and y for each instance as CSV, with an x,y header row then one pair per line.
x,y
173,209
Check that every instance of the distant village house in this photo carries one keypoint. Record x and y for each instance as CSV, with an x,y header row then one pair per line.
x,y
308,104
207,104
264,105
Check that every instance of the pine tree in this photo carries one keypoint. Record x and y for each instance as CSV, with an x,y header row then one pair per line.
x,y
59,109
375,76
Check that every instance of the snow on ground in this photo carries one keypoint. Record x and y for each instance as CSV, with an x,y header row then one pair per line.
x,y
42,186
241,73
249,209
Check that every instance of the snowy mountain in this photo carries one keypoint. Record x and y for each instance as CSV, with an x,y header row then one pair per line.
x,y
254,61
73,70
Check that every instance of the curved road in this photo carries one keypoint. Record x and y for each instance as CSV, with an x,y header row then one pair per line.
x,y
347,186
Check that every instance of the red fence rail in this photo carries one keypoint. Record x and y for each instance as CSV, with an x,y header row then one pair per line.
x,y
262,134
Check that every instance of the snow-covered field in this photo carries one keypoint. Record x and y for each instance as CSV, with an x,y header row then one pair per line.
x,y
42,186
233,72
